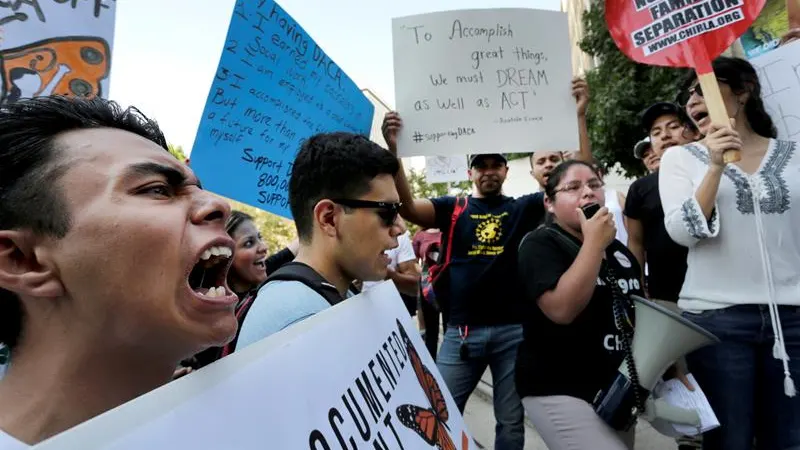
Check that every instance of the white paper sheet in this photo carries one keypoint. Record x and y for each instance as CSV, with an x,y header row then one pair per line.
x,y
675,393
484,81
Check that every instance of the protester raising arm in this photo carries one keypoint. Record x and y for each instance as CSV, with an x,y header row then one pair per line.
x,y
418,211
580,90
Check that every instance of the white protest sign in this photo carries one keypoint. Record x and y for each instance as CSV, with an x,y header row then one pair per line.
x,y
55,47
446,169
779,73
354,376
484,81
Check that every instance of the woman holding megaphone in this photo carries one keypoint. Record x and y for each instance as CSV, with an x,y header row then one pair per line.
x,y
741,223
579,317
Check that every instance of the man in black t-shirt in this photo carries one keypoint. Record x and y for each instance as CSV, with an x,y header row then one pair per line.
x,y
479,289
667,126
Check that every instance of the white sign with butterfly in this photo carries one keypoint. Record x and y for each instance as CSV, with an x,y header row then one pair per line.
x,y
353,376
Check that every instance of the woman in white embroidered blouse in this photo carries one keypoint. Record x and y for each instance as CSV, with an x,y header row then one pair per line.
x,y
741,223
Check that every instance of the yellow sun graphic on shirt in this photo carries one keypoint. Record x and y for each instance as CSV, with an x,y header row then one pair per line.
x,y
489,231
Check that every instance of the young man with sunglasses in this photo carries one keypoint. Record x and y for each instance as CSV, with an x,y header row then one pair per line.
x,y
345,207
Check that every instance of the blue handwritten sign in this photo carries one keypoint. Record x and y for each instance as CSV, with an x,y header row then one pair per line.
x,y
274,87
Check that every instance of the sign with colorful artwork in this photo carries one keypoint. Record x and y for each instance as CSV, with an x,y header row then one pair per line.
x,y
766,32
50,47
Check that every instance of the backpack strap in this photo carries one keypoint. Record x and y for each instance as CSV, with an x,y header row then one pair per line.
x,y
458,209
295,271
436,270
292,271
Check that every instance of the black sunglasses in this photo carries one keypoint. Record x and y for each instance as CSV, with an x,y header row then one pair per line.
x,y
388,212
683,97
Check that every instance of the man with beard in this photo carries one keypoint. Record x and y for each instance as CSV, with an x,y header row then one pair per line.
x,y
479,291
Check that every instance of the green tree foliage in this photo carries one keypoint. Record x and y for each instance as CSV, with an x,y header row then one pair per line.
x,y
276,230
422,189
177,152
621,90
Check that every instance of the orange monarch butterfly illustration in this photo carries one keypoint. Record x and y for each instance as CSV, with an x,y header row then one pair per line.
x,y
429,423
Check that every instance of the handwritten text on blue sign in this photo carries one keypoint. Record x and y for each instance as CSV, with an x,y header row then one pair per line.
x,y
274,87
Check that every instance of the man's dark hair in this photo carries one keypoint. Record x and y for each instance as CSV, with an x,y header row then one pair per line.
x,y
334,166
31,163
531,156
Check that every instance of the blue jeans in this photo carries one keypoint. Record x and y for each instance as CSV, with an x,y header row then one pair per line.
x,y
495,347
744,383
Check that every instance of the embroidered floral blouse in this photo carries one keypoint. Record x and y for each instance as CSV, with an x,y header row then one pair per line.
x,y
749,252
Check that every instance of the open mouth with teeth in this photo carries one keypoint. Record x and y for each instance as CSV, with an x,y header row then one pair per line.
x,y
207,278
261,264
699,116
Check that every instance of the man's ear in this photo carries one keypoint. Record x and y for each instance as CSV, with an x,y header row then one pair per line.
x,y
325,217
21,270
548,205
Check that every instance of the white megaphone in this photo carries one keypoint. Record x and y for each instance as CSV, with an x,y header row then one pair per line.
x,y
661,337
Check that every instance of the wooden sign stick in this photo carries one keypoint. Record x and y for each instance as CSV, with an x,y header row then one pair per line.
x,y
716,108
714,103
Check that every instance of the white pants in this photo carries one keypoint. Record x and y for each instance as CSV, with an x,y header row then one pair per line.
x,y
569,423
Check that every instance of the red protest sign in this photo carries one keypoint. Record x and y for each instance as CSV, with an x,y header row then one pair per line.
x,y
679,33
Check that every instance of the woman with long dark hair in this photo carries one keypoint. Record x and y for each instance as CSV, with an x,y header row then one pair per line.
x,y
578,280
741,224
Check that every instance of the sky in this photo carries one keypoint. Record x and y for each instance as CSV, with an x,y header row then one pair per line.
x,y
166,51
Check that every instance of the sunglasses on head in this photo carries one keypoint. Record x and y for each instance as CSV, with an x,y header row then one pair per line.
x,y
683,97
388,212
